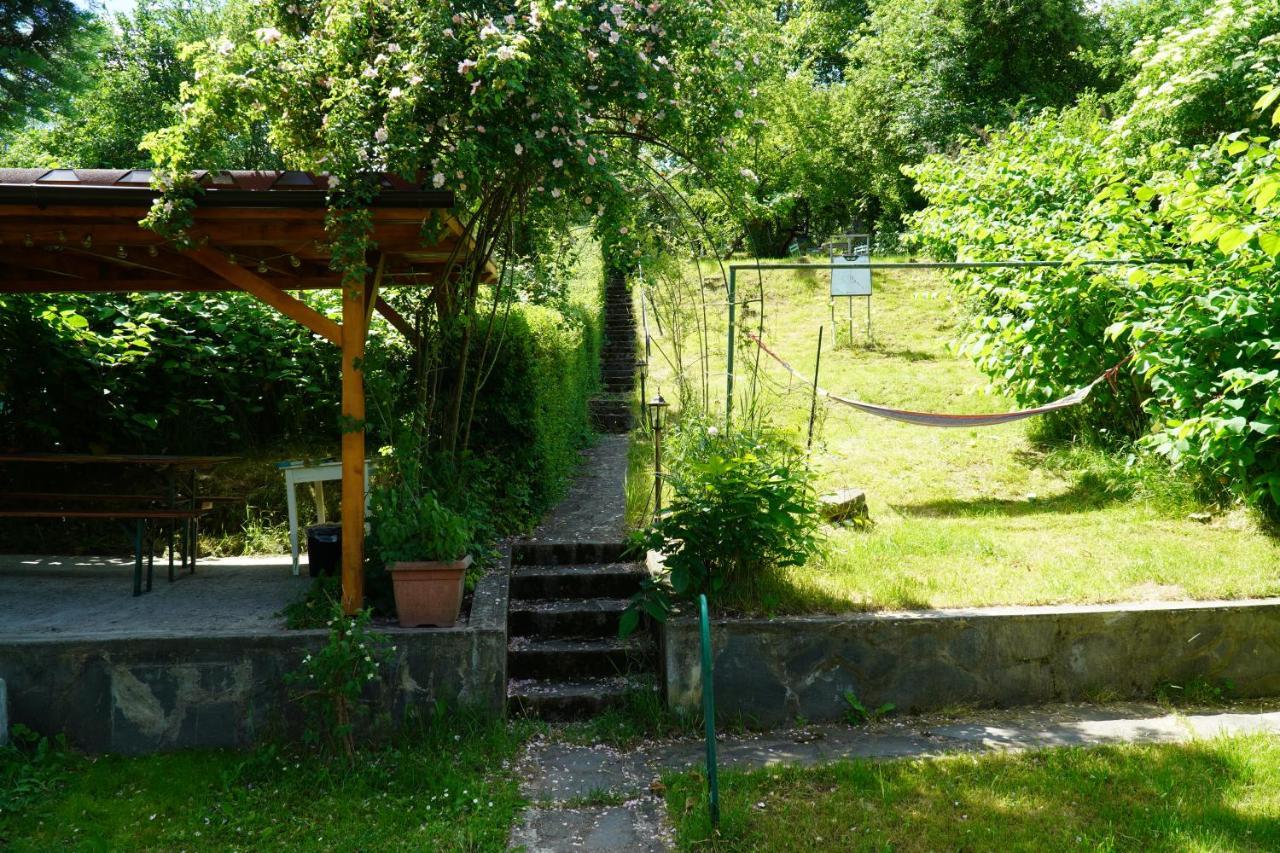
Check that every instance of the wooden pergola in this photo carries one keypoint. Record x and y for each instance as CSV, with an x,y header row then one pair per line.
x,y
77,231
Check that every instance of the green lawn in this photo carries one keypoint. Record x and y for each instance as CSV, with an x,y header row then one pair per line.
x,y
965,516
445,788
1221,794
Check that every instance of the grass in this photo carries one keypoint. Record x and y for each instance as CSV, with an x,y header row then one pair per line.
x,y
447,786
962,517
1221,794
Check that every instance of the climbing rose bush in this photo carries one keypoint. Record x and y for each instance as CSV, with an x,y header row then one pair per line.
x,y
542,106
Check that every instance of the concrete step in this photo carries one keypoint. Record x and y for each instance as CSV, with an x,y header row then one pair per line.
x,y
611,414
613,424
564,658
567,700
531,552
591,580
588,617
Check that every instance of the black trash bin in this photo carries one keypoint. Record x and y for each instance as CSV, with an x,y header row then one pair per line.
x,y
324,549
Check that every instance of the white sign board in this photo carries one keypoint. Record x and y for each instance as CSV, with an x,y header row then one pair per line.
x,y
851,282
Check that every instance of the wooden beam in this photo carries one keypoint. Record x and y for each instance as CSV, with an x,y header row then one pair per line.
x,y
353,428
135,212
397,321
232,234
269,293
197,284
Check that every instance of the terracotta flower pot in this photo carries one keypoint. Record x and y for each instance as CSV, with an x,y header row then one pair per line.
x,y
428,592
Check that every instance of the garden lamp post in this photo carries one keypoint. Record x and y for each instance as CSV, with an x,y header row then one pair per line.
x,y
656,405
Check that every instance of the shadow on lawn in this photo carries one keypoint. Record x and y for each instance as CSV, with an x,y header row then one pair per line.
x,y
1089,493
1106,798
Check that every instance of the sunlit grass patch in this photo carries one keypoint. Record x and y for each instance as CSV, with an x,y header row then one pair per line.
x,y
445,786
1221,794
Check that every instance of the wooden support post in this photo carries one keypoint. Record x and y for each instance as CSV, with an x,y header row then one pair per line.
x,y
353,341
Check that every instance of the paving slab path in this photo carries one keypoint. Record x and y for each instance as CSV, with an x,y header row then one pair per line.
x,y
595,507
599,798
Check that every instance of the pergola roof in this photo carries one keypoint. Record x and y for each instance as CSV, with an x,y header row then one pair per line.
x,y
69,230
77,231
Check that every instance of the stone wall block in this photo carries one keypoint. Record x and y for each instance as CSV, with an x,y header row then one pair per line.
x,y
772,671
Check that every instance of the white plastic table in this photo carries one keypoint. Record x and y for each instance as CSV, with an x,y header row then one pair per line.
x,y
316,474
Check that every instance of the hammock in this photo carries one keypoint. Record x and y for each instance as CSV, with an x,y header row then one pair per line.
x,y
933,419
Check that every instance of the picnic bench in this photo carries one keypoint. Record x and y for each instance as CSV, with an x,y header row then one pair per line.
x,y
177,511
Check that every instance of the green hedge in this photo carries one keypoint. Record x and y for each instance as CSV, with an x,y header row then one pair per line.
x,y
532,414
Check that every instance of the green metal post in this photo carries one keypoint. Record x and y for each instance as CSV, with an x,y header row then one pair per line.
x,y
709,713
733,314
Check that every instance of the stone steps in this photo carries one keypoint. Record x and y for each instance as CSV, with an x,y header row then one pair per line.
x,y
571,699
587,657
585,617
533,552
591,580
611,414
617,359
564,656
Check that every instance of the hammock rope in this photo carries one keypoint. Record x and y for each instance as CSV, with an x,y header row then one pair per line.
x,y
936,419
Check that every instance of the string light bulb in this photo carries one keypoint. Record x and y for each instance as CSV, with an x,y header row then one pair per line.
x,y
153,251
262,266
62,236
27,241
87,242
231,258
294,262
121,253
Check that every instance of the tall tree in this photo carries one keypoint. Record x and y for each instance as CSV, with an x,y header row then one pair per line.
x,y
925,72
135,87
43,44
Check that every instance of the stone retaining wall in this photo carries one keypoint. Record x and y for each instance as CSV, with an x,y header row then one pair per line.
x,y
775,670
143,694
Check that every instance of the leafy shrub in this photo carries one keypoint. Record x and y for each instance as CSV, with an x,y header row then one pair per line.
x,y
857,713
741,504
31,768
416,526
1200,384
531,417
331,683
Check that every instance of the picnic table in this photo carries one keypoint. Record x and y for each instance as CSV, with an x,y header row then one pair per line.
x,y
178,506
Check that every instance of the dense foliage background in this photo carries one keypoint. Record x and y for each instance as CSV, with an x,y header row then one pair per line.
x,y
1036,129
1178,162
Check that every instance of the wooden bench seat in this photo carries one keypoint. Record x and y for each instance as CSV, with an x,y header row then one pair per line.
x,y
60,496
138,516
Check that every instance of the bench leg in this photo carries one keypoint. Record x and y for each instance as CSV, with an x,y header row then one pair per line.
x,y
172,526
151,560
137,557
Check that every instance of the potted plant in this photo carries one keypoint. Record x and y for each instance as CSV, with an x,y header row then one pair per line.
x,y
423,544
